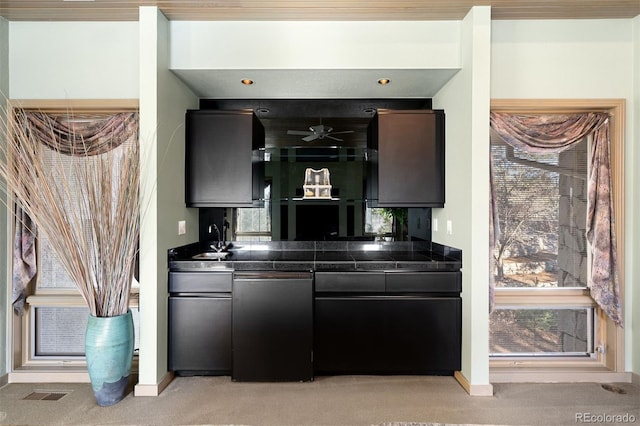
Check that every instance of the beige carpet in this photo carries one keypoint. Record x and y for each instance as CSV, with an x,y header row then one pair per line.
x,y
327,401
430,424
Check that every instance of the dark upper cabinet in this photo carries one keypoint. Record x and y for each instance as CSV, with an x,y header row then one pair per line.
x,y
222,165
407,164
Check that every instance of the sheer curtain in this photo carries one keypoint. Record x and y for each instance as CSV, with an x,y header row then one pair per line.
x,y
61,132
556,133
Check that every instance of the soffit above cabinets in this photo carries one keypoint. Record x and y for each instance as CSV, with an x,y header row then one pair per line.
x,y
312,84
327,10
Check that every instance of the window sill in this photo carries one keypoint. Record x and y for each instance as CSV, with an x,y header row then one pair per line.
x,y
56,373
554,370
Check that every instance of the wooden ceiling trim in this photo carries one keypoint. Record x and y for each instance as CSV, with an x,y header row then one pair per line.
x,y
376,10
318,15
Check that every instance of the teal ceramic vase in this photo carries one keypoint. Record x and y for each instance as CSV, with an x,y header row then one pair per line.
x,y
109,353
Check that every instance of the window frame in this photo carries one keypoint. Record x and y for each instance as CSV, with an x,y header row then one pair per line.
x,y
24,365
608,338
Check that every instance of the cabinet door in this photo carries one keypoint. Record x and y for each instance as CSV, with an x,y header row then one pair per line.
x,y
423,335
219,169
200,335
349,335
410,158
387,335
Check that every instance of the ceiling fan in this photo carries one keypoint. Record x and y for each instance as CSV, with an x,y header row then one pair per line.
x,y
319,131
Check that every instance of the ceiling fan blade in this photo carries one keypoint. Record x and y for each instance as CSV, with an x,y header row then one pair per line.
x,y
333,137
299,132
310,138
342,132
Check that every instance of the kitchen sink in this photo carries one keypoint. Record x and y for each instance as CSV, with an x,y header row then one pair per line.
x,y
212,255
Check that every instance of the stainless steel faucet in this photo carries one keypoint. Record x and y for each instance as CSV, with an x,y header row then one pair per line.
x,y
220,245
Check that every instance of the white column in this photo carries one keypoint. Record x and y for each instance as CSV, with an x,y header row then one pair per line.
x,y
466,101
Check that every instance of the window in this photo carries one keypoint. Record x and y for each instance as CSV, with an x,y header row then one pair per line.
x,y
51,331
541,201
542,331
379,222
254,223
51,274
57,331
608,338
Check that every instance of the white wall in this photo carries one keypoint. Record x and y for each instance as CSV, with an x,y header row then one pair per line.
x,y
314,45
561,59
633,288
580,59
315,59
73,60
4,228
465,100
163,102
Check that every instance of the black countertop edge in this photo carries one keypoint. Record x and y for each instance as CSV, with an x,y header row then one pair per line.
x,y
321,256
208,266
451,253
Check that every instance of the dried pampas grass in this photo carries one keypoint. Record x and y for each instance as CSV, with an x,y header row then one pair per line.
x,y
86,205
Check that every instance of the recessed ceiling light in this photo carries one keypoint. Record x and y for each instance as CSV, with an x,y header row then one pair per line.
x,y
246,81
262,110
384,81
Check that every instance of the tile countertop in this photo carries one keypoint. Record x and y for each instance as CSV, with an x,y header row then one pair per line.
x,y
321,256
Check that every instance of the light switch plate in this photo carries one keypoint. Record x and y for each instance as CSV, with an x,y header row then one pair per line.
x,y
182,227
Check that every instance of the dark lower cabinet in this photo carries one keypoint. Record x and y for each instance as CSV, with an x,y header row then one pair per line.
x,y
423,335
387,335
413,327
200,323
200,335
273,326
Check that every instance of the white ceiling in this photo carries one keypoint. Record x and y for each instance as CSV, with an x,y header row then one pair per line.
x,y
303,84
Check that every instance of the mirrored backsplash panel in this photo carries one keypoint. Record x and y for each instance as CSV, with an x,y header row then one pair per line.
x,y
315,220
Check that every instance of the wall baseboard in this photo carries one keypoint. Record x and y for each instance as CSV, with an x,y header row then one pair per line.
x,y
39,376
635,379
153,390
4,379
540,376
473,390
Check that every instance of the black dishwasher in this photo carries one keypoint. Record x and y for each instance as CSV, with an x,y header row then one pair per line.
x,y
272,326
